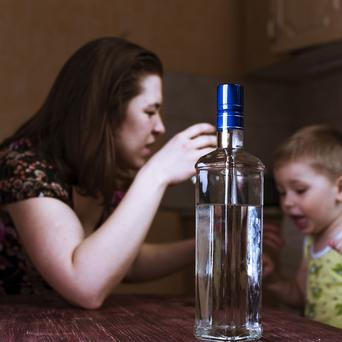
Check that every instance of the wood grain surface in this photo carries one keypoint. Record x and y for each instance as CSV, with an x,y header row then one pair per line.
x,y
138,318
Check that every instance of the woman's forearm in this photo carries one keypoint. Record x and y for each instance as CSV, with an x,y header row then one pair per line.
x,y
109,252
84,269
158,260
288,292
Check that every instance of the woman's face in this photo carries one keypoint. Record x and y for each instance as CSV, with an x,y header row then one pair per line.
x,y
142,125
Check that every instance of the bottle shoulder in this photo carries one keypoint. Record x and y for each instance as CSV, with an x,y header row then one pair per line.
x,y
223,158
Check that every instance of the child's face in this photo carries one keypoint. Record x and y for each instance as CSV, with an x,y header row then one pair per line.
x,y
308,197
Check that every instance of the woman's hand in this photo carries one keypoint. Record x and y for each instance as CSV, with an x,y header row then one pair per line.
x,y
175,162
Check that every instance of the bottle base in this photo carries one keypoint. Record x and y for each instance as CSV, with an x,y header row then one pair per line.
x,y
228,334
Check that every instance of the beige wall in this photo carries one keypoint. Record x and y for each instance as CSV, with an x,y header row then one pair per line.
x,y
36,37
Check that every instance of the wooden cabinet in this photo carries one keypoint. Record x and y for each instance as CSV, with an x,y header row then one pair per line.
x,y
256,43
273,29
297,24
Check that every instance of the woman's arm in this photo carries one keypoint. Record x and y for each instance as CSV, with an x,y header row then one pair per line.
x,y
85,269
291,291
158,260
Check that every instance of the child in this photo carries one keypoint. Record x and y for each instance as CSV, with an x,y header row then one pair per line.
x,y
308,173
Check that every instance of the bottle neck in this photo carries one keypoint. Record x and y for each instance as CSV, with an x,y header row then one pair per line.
x,y
230,138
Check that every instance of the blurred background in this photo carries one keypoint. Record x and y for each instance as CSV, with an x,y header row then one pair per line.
x,y
287,53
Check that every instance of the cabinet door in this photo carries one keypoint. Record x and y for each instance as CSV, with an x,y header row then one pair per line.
x,y
296,24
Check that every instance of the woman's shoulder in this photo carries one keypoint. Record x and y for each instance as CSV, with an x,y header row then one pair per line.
x,y
20,159
10,149
24,173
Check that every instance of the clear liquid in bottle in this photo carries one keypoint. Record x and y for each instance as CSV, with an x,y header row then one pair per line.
x,y
229,217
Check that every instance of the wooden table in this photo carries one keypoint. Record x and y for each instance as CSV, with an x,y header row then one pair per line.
x,y
134,318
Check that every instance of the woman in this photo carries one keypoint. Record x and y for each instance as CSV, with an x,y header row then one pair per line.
x,y
64,222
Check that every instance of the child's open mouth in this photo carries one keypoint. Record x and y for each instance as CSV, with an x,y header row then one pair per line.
x,y
300,221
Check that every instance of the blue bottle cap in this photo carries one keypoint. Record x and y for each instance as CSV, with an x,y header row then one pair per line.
x,y
229,106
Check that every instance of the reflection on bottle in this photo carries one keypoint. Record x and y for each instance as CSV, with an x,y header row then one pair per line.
x,y
229,199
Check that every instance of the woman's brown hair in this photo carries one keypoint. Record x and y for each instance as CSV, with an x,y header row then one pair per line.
x,y
75,127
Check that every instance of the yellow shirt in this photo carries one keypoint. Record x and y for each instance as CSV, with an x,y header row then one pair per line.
x,y
324,285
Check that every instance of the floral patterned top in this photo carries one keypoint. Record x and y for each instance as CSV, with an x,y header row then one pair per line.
x,y
324,285
23,175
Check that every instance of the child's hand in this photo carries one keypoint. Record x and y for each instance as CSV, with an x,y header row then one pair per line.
x,y
267,265
272,237
272,244
336,243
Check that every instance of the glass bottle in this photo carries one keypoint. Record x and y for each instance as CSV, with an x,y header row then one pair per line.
x,y
229,217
